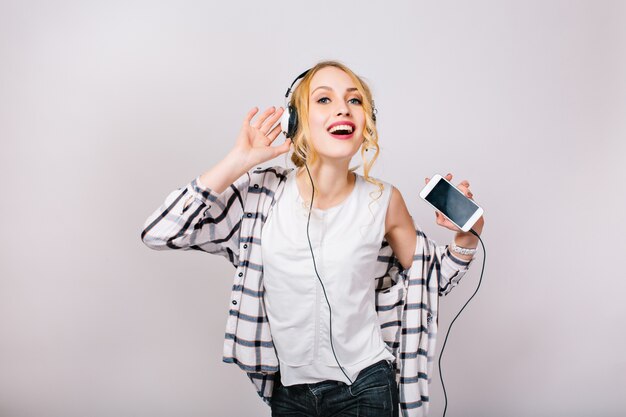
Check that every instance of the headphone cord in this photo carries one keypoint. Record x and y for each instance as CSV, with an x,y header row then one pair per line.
x,y
455,317
318,276
331,313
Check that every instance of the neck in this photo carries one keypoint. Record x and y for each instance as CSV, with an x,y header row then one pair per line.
x,y
332,182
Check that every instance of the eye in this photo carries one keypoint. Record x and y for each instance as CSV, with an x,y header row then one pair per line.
x,y
355,101
321,100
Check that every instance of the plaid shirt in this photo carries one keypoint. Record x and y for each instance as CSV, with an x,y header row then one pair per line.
x,y
229,224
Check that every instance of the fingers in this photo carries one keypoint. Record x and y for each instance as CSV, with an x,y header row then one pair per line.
x,y
250,115
444,222
463,185
281,149
284,147
448,177
274,133
269,123
263,117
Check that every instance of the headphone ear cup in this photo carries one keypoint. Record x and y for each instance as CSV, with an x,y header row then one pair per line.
x,y
292,123
284,121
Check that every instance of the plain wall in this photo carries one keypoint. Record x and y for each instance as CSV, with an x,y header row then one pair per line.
x,y
106,107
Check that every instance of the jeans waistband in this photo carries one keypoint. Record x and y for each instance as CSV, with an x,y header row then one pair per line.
x,y
381,363
367,369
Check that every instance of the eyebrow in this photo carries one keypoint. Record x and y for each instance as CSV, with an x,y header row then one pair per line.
x,y
328,88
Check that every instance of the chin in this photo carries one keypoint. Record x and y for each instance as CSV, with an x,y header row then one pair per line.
x,y
337,148
338,156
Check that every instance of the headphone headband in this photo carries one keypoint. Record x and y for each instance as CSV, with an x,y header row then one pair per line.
x,y
294,81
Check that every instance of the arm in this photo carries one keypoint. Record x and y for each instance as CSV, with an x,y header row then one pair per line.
x,y
439,258
399,230
206,214
409,243
199,217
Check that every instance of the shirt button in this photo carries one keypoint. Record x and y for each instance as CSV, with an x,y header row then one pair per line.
x,y
241,274
235,302
249,214
256,185
245,245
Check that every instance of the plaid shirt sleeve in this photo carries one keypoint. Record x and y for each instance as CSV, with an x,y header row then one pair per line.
x,y
433,273
195,217
450,268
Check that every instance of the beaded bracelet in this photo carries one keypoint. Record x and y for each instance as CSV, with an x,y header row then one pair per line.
x,y
462,251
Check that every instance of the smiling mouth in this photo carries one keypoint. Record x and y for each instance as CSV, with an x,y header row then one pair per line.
x,y
341,130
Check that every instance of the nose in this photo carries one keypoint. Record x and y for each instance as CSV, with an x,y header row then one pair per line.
x,y
343,109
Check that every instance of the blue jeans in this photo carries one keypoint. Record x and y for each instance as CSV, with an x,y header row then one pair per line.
x,y
373,394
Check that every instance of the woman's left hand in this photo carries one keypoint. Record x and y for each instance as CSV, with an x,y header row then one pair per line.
x,y
463,186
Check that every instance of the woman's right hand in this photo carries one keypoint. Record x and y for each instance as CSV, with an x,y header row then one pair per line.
x,y
253,145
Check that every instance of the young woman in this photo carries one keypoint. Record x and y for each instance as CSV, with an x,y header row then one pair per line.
x,y
335,295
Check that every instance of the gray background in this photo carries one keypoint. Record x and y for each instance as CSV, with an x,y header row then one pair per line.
x,y
106,107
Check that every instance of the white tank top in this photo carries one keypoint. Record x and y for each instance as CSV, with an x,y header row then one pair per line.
x,y
346,239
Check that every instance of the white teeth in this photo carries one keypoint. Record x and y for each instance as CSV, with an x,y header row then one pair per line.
x,y
341,127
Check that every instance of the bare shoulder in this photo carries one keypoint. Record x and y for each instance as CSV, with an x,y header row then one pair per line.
x,y
397,212
399,229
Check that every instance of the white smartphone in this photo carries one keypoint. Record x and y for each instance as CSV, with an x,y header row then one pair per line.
x,y
451,202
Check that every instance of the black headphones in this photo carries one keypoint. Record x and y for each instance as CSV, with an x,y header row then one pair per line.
x,y
289,121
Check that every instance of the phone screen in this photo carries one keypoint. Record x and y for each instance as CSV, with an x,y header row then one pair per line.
x,y
451,202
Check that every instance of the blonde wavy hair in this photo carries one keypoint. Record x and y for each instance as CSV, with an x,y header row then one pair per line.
x,y
302,149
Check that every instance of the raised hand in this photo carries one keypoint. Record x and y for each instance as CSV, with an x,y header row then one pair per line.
x,y
253,145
